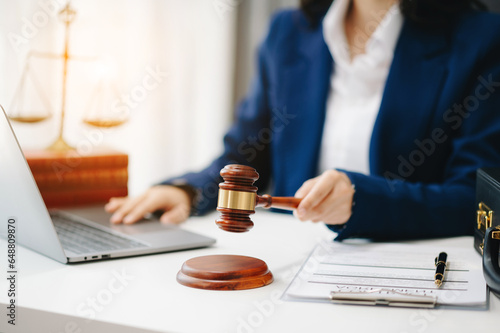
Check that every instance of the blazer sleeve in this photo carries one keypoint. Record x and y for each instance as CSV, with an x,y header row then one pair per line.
x,y
398,209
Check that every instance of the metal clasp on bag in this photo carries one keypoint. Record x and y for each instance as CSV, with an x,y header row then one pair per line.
x,y
496,234
484,221
484,216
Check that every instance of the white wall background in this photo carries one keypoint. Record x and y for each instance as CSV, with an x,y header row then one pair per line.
x,y
175,127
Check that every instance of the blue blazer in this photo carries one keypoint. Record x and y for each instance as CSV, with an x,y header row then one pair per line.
x,y
439,121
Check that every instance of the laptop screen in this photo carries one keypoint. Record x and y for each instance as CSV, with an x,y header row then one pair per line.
x,y
20,199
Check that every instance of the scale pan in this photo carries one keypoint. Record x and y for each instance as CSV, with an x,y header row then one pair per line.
x,y
28,119
104,123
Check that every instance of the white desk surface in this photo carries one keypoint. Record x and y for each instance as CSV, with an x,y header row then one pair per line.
x,y
151,299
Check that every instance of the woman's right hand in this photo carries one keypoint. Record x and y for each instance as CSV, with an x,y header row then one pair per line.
x,y
174,201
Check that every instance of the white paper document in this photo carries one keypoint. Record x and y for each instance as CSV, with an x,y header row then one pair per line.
x,y
389,274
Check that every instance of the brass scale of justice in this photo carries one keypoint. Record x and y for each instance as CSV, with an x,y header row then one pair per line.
x,y
67,16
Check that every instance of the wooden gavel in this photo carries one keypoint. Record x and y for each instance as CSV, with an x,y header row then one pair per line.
x,y
238,198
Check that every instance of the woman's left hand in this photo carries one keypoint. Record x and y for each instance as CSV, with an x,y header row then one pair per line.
x,y
327,198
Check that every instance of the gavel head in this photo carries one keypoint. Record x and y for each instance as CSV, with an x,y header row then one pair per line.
x,y
237,198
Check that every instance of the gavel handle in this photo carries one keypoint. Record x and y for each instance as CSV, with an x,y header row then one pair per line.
x,y
268,201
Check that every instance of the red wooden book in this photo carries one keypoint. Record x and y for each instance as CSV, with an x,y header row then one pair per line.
x,y
82,179
54,199
97,158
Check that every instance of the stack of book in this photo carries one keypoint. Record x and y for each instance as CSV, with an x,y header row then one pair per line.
x,y
72,179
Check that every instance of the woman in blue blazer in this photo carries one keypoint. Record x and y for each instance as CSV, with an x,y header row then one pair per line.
x,y
438,122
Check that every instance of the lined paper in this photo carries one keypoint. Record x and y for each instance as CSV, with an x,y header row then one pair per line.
x,y
380,270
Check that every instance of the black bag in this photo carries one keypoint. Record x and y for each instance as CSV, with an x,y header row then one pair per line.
x,y
487,231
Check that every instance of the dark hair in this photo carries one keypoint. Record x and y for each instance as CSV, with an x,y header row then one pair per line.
x,y
422,12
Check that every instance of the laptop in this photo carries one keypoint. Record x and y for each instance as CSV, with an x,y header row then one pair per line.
x,y
78,234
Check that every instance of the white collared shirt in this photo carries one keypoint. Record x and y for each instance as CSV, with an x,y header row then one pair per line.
x,y
356,88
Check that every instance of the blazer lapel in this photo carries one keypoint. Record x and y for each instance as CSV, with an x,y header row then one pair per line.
x,y
417,73
305,83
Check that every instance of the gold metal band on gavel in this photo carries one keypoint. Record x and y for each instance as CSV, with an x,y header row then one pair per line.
x,y
236,200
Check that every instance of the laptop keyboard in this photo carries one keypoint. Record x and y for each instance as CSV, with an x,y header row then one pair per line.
x,y
81,238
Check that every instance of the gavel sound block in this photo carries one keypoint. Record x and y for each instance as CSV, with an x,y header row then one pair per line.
x,y
237,201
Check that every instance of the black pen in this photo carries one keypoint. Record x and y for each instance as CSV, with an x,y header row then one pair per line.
x,y
440,262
